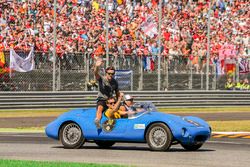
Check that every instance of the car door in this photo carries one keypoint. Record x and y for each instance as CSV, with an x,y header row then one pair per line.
x,y
113,130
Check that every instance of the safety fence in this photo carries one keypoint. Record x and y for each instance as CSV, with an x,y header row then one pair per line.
x,y
74,72
85,99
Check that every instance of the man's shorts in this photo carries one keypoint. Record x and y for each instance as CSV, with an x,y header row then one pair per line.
x,y
102,103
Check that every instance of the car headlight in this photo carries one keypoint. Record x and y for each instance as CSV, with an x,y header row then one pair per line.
x,y
184,132
191,122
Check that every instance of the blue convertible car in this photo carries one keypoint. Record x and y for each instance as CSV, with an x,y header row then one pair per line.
x,y
159,130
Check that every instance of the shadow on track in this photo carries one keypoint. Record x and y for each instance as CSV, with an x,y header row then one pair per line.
x,y
134,149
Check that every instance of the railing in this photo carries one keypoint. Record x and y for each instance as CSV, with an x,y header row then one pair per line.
x,y
86,99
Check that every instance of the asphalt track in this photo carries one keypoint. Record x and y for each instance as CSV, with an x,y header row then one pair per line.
x,y
223,152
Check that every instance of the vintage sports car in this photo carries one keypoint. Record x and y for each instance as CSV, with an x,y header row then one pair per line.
x,y
159,130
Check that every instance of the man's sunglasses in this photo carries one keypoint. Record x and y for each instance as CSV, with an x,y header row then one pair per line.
x,y
111,74
111,103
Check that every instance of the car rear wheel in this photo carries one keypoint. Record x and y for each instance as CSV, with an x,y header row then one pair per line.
x,y
71,136
192,147
104,144
159,137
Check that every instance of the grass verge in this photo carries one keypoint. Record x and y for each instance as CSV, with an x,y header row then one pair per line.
x,y
56,112
205,110
31,113
222,126
24,130
230,126
23,163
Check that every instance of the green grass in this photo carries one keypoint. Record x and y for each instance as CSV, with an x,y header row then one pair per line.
x,y
206,110
31,113
56,112
21,163
34,110
24,130
230,126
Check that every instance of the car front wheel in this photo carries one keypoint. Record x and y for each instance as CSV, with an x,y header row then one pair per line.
x,y
71,136
159,137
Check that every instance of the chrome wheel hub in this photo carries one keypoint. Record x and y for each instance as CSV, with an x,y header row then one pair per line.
x,y
72,134
158,137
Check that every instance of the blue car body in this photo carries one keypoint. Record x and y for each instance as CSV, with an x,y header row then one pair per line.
x,y
185,130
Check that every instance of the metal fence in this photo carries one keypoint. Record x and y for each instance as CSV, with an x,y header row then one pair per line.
x,y
86,99
74,72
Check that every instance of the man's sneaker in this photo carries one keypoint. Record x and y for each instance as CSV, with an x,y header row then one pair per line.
x,y
97,124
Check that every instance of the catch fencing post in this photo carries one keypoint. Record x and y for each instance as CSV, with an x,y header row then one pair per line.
x,y
87,57
208,45
165,60
59,75
237,71
140,87
190,85
107,33
159,45
214,78
202,80
54,47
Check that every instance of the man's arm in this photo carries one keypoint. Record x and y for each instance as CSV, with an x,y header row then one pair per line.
x,y
117,104
117,93
97,68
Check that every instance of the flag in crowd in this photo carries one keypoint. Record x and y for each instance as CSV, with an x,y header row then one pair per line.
x,y
2,59
21,64
244,65
149,27
229,66
2,63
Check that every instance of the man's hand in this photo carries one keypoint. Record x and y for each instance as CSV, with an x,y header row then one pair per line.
x,y
99,62
121,95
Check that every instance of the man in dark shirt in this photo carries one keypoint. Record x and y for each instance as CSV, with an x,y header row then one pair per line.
x,y
107,87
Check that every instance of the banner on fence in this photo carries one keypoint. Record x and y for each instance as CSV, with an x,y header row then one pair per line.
x,y
21,64
124,79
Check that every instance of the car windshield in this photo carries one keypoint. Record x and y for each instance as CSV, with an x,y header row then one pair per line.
x,y
142,108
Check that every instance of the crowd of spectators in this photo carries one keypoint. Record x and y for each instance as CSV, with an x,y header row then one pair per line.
x,y
81,28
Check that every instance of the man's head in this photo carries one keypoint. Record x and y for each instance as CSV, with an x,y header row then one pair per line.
x,y
110,72
111,102
128,100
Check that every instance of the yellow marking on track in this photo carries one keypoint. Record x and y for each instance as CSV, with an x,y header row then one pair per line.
x,y
246,137
219,136
237,135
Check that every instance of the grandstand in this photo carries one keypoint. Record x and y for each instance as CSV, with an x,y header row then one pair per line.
x,y
132,40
